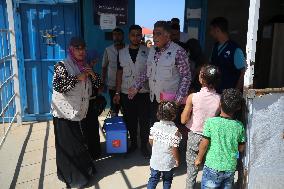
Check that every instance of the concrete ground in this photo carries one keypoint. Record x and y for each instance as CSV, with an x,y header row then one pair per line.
x,y
27,161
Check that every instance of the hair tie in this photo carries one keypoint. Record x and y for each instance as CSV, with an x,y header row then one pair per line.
x,y
212,71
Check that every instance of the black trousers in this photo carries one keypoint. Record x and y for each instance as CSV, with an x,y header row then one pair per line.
x,y
137,111
73,161
113,107
90,128
154,109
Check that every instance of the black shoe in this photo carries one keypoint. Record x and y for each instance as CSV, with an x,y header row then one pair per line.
x,y
145,152
68,186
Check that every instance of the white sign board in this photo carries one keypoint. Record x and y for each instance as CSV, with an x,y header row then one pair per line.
x,y
107,21
193,13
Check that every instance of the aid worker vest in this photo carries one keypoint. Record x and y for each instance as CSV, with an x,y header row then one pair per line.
x,y
131,71
163,75
112,66
224,60
72,105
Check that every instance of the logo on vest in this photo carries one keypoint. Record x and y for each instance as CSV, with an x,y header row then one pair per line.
x,y
144,54
227,54
168,55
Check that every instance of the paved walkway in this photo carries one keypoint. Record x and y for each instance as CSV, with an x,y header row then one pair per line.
x,y
27,161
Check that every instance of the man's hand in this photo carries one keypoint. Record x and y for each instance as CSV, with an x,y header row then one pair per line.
x,y
132,92
116,99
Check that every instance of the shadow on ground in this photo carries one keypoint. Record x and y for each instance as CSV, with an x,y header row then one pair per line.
x,y
109,164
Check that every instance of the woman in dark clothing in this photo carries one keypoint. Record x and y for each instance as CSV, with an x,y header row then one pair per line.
x,y
92,127
73,83
96,104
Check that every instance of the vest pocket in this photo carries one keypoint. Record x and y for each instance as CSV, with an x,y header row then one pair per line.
x,y
165,72
127,72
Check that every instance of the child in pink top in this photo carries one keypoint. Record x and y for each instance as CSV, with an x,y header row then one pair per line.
x,y
199,107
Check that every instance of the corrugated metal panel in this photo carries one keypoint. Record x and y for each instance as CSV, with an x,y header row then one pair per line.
x,y
265,132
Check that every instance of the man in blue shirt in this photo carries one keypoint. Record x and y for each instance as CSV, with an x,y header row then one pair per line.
x,y
227,56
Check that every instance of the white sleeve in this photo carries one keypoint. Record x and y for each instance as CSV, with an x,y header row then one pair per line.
x,y
176,140
105,60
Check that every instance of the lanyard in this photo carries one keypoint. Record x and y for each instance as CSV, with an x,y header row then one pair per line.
x,y
222,47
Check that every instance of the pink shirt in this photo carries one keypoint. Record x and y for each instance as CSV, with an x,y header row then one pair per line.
x,y
205,104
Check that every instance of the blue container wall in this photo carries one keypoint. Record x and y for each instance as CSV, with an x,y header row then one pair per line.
x,y
197,23
94,36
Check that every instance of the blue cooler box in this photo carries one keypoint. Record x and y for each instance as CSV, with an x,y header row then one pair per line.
x,y
116,135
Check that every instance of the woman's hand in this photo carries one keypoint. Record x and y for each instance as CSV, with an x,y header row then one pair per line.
x,y
90,72
82,76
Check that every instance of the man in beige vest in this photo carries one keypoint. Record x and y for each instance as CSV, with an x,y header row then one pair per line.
x,y
109,66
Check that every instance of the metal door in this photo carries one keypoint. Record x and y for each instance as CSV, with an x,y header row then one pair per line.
x,y
46,31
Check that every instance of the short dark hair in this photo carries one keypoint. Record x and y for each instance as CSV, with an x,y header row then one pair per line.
x,y
175,20
163,24
231,101
135,27
148,41
118,30
221,23
175,27
211,75
167,111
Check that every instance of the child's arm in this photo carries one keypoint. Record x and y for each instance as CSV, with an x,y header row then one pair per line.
x,y
242,140
176,155
187,110
218,111
151,141
202,150
175,150
151,138
241,147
